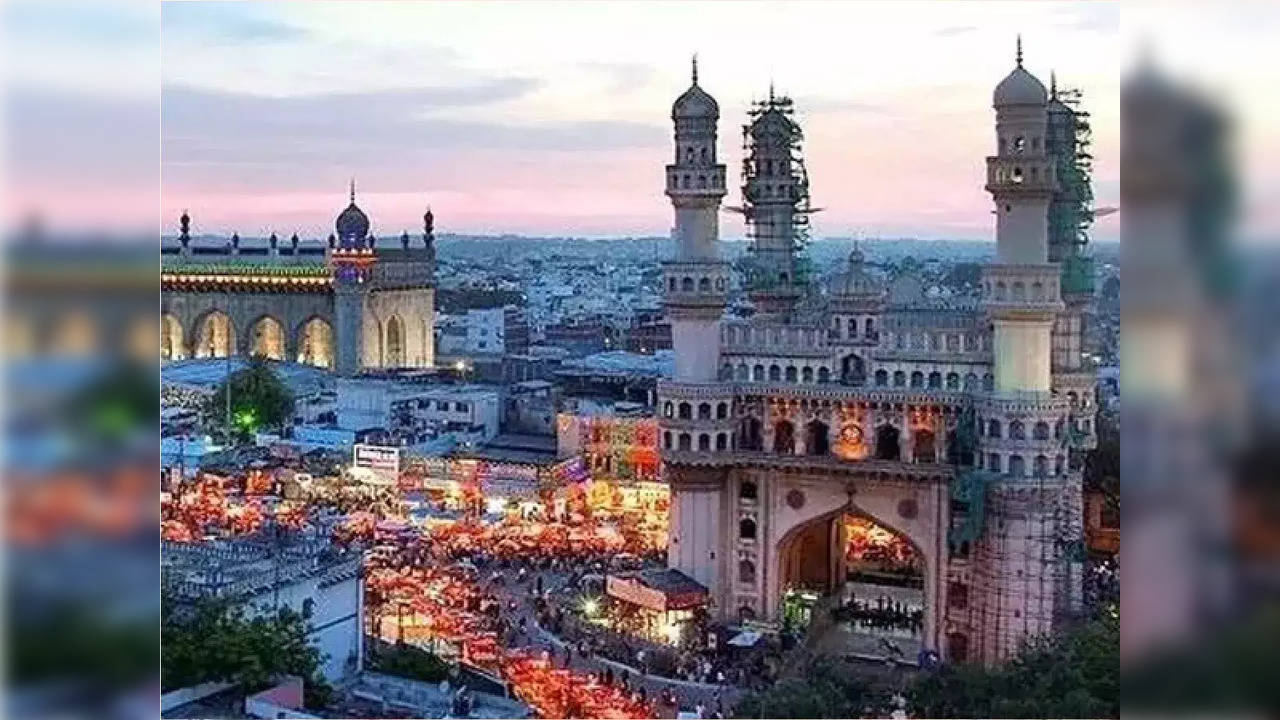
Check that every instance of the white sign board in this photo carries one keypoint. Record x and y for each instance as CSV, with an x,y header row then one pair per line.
x,y
382,460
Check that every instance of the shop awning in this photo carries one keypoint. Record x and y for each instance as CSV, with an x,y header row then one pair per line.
x,y
746,638
658,590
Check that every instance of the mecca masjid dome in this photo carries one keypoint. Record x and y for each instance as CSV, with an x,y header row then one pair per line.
x,y
352,224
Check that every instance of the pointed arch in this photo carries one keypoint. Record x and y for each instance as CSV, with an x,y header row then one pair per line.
x,y
172,341
266,338
215,335
394,350
315,342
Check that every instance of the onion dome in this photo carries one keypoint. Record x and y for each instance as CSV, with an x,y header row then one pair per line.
x,y
1019,87
352,224
695,103
855,280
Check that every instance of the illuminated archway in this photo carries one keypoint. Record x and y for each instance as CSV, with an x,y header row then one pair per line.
x,y
74,335
315,343
172,346
19,337
395,343
869,577
215,336
266,338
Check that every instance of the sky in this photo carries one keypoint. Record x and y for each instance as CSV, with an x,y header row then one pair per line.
x,y
553,118
546,118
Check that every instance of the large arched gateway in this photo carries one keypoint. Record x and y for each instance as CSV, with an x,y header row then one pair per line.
x,y
857,585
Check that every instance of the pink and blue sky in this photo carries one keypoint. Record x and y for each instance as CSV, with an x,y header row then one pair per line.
x,y
552,118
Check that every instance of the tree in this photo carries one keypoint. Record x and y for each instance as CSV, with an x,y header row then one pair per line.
x,y
259,399
821,687
1102,464
218,641
122,401
1074,674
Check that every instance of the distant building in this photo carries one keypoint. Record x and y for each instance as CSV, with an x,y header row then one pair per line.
x,y
416,412
350,305
301,571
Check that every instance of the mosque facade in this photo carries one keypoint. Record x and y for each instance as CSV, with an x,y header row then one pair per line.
x,y
955,422
352,304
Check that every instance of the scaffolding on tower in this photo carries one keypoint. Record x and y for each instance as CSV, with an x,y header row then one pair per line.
x,y
1072,212
773,131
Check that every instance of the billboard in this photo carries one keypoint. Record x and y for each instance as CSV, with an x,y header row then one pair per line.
x,y
382,460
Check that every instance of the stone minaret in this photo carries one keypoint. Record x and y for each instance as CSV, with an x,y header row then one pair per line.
x,y
775,197
1025,578
352,265
695,408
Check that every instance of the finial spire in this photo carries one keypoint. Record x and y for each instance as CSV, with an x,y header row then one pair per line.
x,y
770,89
695,68
353,190
1053,84
1019,56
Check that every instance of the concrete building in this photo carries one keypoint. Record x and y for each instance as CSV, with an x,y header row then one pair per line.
x,y
418,411
879,414
304,572
350,305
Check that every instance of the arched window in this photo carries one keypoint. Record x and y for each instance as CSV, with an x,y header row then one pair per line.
x,y
686,441
970,382
882,377
869,327
743,373
668,409
747,529
726,372
887,443
686,411
1017,466
824,375
703,155
666,439
993,428
704,442
953,381
1041,466
1041,431
722,441
686,285
722,411
935,380
818,440
1016,430
702,182
757,373
806,375
746,572
784,438
852,329
671,284
1057,465
917,379
899,378
1058,427
993,462
988,382
923,448
704,411
775,373
791,373
748,490
752,434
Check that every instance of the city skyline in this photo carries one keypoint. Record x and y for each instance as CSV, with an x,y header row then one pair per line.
x,y
269,111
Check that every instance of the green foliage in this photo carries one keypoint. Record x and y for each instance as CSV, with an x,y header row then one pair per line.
x,y
410,662
963,275
124,400
259,399
72,640
217,641
1075,674
822,688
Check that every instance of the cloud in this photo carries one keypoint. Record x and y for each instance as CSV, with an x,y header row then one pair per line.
x,y
622,77
225,23
223,140
953,30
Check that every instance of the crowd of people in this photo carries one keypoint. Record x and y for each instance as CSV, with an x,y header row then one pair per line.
x,y
883,614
